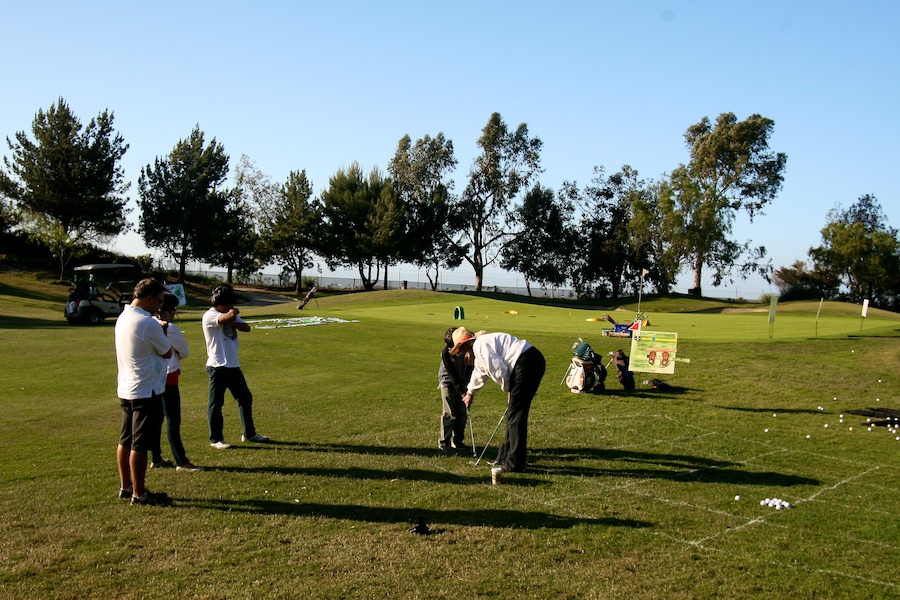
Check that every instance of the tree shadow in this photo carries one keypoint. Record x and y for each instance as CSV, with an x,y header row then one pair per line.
x,y
501,518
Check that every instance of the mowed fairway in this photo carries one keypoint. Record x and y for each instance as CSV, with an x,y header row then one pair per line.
x,y
629,495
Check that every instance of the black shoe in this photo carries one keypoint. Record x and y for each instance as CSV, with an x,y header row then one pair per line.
x,y
444,447
162,463
151,498
126,494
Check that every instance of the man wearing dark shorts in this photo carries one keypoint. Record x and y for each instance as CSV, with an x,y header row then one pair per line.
x,y
141,352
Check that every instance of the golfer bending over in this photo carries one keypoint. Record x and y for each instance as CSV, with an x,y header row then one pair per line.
x,y
518,368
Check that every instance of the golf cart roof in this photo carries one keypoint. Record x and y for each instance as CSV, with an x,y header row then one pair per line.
x,y
102,267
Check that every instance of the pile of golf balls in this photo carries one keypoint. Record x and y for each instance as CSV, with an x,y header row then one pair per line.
x,y
776,503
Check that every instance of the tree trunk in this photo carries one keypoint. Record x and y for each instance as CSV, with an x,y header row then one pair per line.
x,y
698,270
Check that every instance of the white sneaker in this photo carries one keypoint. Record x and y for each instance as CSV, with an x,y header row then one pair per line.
x,y
220,445
255,438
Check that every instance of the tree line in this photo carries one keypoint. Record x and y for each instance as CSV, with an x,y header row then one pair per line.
x,y
65,188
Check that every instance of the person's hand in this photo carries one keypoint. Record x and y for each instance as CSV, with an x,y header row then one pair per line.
x,y
467,399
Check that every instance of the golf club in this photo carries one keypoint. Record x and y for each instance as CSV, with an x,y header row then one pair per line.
x,y
472,431
503,416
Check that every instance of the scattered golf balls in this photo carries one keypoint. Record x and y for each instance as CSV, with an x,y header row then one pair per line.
x,y
820,408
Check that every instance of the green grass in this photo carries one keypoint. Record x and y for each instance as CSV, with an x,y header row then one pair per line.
x,y
630,495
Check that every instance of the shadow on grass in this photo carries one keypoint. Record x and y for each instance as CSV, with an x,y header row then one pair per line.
x,y
773,409
373,474
662,466
7,322
513,519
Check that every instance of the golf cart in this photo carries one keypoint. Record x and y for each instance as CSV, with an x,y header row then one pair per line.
x,y
100,291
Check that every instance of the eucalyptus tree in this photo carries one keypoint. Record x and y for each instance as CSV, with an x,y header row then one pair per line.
x,y
420,178
508,163
179,197
66,183
731,169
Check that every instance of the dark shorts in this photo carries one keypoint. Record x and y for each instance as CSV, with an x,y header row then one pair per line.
x,y
141,422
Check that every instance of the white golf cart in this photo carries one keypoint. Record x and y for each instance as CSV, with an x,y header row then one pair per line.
x,y
100,291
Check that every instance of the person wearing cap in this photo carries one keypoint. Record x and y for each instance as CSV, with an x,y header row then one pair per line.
x,y
453,375
517,367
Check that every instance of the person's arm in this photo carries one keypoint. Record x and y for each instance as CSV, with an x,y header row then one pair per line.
x,y
230,317
179,344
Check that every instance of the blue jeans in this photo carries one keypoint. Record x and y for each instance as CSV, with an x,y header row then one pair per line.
x,y
231,379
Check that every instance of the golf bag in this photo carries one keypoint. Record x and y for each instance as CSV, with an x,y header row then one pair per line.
x,y
626,377
586,373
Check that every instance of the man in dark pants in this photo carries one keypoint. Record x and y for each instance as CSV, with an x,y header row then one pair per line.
x,y
221,324
518,368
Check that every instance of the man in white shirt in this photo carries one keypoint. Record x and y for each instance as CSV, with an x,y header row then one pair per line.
x,y
221,324
518,368
141,352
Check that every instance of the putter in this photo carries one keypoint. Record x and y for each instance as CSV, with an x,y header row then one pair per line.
x,y
472,431
503,416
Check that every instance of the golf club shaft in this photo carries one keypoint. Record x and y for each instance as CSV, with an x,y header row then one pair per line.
x,y
490,439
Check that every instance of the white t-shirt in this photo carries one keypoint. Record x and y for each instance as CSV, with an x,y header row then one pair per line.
x,y
221,341
495,356
140,344
179,348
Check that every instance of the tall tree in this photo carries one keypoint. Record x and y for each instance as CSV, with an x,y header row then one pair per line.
x,y
605,224
862,251
289,220
347,237
67,182
386,222
541,249
420,180
234,245
180,195
655,232
508,163
731,169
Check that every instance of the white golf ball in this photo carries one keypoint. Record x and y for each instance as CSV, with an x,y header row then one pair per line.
x,y
870,429
807,437
774,415
767,431
842,420
842,415
738,498
826,425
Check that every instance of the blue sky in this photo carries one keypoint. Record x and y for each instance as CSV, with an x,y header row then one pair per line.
x,y
319,85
